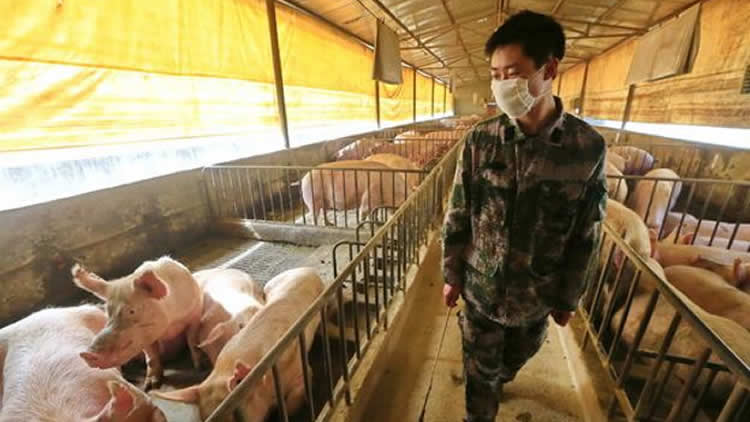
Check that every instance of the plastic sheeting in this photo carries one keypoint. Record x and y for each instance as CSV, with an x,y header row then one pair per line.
x,y
424,97
396,101
91,72
329,91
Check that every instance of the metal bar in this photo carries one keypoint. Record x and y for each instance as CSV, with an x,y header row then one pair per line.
x,y
327,352
735,400
694,374
306,375
626,111
377,102
638,337
355,308
342,342
717,222
414,94
657,365
703,212
660,389
278,78
702,394
279,393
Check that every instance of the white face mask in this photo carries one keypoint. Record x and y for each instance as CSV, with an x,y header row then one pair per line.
x,y
513,95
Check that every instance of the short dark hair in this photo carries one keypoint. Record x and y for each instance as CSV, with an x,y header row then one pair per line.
x,y
540,36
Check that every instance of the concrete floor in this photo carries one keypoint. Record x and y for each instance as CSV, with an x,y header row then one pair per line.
x,y
544,390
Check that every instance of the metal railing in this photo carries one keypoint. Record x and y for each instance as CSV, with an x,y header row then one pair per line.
x,y
643,345
274,193
715,208
376,274
421,147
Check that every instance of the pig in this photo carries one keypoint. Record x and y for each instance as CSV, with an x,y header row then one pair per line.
x,y
230,299
358,149
637,160
668,254
409,134
43,378
399,163
706,228
288,296
617,160
154,310
320,188
717,242
735,272
617,188
626,223
711,293
685,342
664,197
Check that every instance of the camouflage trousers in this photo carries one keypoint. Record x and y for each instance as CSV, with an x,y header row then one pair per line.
x,y
493,354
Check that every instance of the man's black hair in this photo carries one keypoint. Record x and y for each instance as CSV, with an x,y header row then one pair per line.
x,y
540,36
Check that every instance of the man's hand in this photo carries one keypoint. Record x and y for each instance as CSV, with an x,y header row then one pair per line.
x,y
561,317
450,295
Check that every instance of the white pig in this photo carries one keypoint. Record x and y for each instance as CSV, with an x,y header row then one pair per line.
x,y
665,196
637,161
399,163
616,160
617,188
43,378
153,310
289,295
628,225
230,299
717,242
325,188
734,272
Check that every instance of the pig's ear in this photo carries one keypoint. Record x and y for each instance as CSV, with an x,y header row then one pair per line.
x,y
240,372
152,284
122,400
186,395
214,335
90,282
686,239
740,271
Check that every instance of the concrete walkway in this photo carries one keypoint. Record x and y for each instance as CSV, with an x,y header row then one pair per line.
x,y
544,390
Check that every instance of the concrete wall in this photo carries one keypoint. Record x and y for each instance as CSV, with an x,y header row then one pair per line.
x,y
111,231
464,98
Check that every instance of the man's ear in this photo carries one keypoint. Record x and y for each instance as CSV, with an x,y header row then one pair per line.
x,y
550,71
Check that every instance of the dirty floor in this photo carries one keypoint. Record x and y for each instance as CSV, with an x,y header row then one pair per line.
x,y
544,390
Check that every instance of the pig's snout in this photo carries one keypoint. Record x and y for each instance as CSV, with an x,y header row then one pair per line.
x,y
93,360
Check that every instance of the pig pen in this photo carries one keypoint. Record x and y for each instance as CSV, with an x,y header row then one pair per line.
x,y
664,357
366,271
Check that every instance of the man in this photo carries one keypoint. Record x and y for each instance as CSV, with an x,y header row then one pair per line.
x,y
523,225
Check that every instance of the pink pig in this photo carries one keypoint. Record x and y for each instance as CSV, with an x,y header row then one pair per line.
x,y
230,299
151,310
43,378
288,295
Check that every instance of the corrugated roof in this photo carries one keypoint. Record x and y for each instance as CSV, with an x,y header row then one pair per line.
x,y
446,37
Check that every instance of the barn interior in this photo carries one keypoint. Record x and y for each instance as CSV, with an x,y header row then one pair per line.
x,y
130,130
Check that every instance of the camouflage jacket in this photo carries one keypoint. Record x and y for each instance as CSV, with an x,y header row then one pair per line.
x,y
525,213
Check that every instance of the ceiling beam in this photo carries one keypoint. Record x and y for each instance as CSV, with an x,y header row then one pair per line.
x,y
293,5
591,37
557,7
458,35
467,19
585,22
390,14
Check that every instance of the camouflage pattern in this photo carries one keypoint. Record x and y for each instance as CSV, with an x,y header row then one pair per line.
x,y
525,212
493,354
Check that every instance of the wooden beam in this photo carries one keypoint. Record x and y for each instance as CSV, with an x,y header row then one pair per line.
x,y
583,85
626,111
557,6
277,75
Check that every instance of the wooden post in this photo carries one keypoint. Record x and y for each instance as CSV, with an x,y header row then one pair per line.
x,y
583,86
414,95
377,102
626,112
278,77
445,96
433,96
